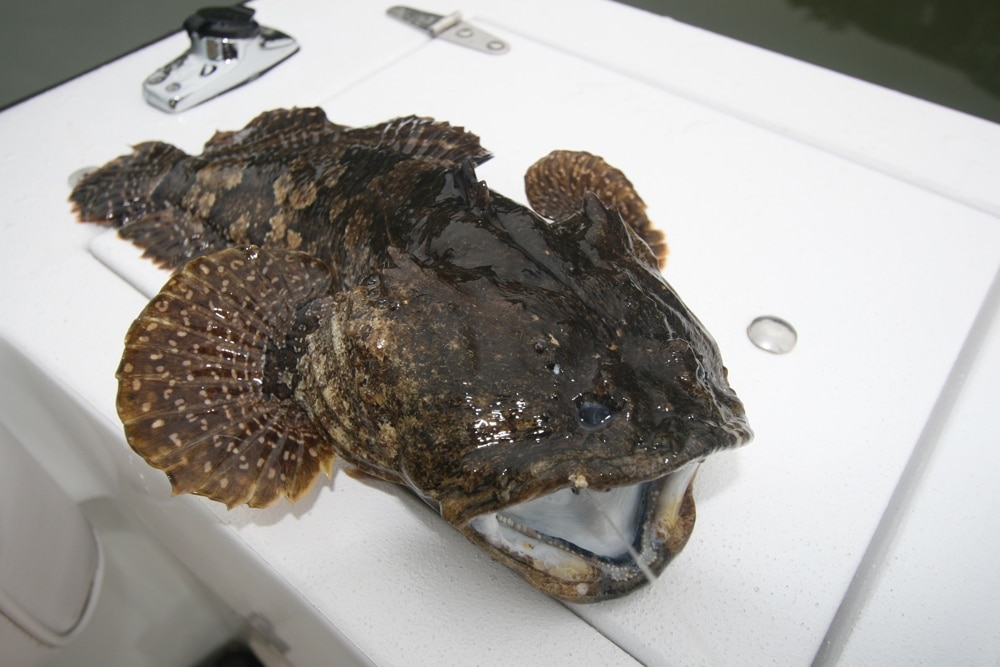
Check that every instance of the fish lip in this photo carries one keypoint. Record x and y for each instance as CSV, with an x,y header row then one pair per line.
x,y
492,485
663,522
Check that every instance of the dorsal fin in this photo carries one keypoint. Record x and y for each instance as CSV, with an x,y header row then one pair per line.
x,y
284,128
557,183
207,380
416,136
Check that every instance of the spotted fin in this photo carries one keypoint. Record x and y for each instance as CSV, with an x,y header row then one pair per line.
x,y
288,131
415,136
274,129
171,237
556,185
121,191
208,377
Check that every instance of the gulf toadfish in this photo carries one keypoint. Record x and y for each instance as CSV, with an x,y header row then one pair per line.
x,y
360,293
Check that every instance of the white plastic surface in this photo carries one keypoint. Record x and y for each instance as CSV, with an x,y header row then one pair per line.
x,y
934,601
144,608
150,612
933,147
881,278
50,561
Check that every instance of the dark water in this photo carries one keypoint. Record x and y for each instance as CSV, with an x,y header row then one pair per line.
x,y
945,51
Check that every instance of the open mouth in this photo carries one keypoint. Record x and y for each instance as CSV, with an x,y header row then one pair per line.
x,y
594,544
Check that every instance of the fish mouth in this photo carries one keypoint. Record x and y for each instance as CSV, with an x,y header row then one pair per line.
x,y
584,545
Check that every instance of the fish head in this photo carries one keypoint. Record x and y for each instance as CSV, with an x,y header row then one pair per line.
x,y
549,392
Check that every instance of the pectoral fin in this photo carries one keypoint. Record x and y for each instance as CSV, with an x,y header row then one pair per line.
x,y
208,377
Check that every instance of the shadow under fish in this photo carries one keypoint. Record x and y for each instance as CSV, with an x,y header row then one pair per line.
x,y
360,293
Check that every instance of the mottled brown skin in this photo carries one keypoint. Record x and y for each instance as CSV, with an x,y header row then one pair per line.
x,y
491,301
450,340
290,179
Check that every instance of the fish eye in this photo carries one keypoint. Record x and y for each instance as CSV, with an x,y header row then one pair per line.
x,y
592,414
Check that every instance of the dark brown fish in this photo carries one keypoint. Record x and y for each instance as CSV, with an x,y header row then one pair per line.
x,y
538,383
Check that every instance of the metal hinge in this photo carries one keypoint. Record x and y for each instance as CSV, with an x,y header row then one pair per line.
x,y
451,28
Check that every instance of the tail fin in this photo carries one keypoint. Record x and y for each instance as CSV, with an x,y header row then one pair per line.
x,y
557,183
121,190
207,381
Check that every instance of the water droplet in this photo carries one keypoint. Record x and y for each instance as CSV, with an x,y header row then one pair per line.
x,y
772,334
